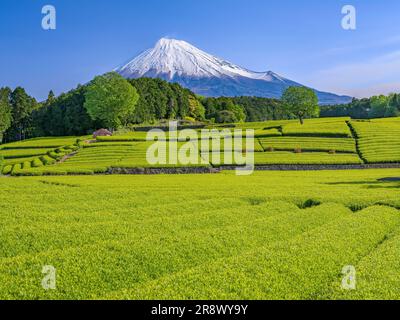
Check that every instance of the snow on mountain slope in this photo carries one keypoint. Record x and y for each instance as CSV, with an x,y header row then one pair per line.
x,y
179,58
178,61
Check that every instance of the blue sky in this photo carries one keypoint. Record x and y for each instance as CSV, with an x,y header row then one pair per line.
x,y
301,40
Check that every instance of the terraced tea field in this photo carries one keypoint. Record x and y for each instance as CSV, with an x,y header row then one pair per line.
x,y
310,144
330,141
270,235
379,140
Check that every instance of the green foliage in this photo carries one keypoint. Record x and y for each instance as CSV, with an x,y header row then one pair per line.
x,y
55,155
318,127
223,110
317,141
162,100
261,109
23,152
16,170
44,142
378,106
320,158
229,238
274,132
300,102
22,107
1,163
37,163
5,111
47,160
64,115
7,169
310,144
26,165
378,140
110,99
196,109
374,107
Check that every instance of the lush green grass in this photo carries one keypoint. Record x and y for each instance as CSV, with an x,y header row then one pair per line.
x,y
95,158
230,145
19,160
47,142
274,132
335,127
379,140
281,157
310,144
23,153
290,158
216,236
29,165
318,142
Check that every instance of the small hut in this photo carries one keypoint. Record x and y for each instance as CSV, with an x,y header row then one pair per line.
x,y
102,133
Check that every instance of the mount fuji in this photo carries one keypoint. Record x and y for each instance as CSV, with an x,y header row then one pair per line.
x,y
180,62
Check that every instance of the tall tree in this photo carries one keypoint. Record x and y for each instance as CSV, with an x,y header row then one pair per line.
x,y
216,110
379,106
110,99
5,111
301,102
22,107
51,98
393,108
196,109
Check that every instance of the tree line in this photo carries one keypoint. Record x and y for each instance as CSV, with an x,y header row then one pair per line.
x,y
110,101
375,107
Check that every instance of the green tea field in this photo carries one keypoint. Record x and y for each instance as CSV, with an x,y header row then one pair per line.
x,y
325,141
270,235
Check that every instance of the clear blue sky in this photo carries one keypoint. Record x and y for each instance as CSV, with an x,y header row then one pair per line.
x,y
302,40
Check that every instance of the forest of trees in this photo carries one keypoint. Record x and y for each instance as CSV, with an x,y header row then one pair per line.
x,y
374,107
148,101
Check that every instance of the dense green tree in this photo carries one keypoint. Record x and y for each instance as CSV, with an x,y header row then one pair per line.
x,y
214,106
162,100
393,107
300,102
51,98
374,107
65,115
5,111
22,106
261,109
225,116
196,109
379,105
110,99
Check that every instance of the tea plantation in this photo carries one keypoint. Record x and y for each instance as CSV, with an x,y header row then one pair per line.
x,y
270,235
329,141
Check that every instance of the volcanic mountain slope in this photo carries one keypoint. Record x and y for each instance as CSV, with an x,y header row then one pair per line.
x,y
178,61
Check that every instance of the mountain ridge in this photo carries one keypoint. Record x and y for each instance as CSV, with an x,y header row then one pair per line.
x,y
178,61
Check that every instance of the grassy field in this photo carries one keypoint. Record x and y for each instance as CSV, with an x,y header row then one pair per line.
x,y
271,235
378,140
325,141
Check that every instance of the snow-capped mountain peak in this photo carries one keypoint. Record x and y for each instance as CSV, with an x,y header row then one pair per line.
x,y
179,61
173,57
